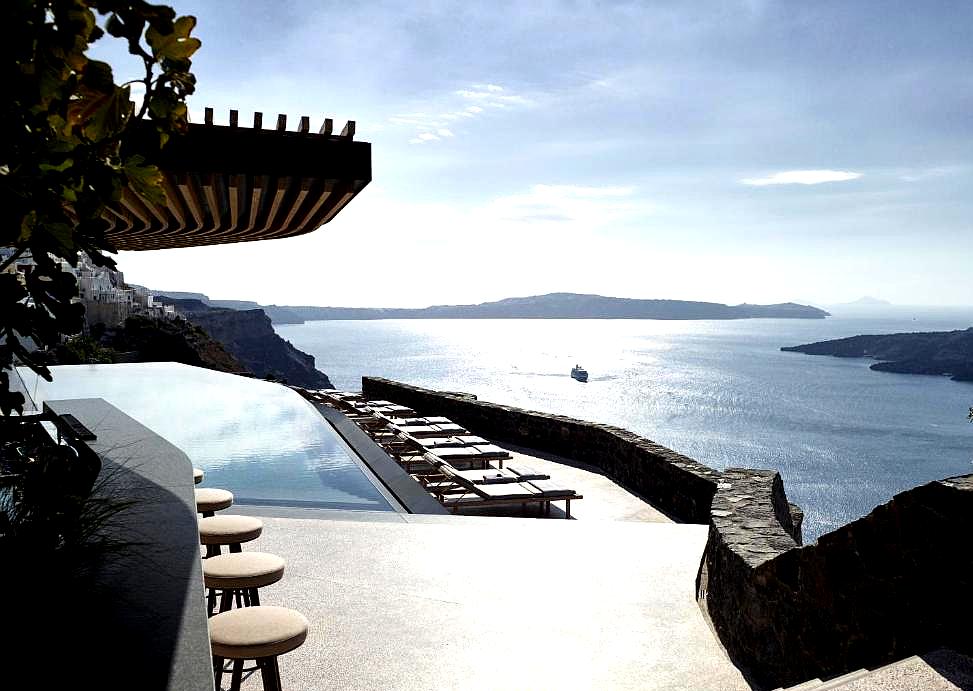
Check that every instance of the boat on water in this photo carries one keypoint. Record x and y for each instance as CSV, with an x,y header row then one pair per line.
x,y
580,373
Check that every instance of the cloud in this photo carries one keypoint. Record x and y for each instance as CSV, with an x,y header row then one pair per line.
x,y
586,206
802,177
424,137
461,105
922,174
492,96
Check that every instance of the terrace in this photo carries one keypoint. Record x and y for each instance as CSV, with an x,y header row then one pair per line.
x,y
398,594
404,596
441,600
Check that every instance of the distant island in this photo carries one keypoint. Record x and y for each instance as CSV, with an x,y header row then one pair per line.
x,y
935,352
551,306
866,301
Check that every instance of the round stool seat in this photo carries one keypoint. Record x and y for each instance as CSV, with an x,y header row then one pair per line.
x,y
255,632
197,476
239,570
210,499
229,530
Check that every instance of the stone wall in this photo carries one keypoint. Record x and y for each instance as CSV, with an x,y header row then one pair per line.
x,y
892,584
675,484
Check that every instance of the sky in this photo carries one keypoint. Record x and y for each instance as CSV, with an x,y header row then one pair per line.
x,y
730,151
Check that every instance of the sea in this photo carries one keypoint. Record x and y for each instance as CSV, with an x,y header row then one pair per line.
x,y
844,438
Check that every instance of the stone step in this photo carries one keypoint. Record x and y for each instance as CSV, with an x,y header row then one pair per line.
x,y
939,670
844,679
803,686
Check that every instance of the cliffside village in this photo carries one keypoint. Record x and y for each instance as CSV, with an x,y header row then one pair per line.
x,y
107,298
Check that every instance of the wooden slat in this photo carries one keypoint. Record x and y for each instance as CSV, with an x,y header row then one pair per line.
x,y
119,216
238,200
256,194
234,118
323,194
298,201
213,198
258,120
326,127
161,218
190,195
349,130
281,123
208,116
135,207
283,184
305,124
174,202
342,199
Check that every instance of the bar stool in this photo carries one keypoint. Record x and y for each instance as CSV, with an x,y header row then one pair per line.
x,y
224,529
240,574
197,476
255,633
209,500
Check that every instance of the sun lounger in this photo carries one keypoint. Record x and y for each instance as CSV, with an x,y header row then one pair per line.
x,y
451,428
524,473
422,431
471,439
488,476
499,494
439,442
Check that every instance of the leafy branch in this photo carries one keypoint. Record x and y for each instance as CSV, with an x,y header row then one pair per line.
x,y
67,151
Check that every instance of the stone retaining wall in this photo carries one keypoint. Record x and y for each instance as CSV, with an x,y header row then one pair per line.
x,y
675,484
892,584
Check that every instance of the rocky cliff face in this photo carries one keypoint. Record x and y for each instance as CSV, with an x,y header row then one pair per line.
x,y
154,340
249,337
934,352
140,339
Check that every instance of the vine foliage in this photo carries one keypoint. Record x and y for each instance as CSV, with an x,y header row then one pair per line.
x,y
67,149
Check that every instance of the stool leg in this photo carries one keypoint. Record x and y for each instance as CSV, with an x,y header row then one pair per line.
x,y
210,601
207,514
237,677
269,673
254,598
226,601
235,547
217,671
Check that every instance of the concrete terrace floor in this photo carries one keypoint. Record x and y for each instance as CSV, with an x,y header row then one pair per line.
x,y
465,602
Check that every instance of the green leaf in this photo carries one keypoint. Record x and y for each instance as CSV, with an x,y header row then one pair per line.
x,y
62,233
108,115
176,45
183,26
60,167
98,75
27,227
145,180
115,26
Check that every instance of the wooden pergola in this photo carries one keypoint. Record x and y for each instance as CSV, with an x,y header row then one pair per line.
x,y
237,184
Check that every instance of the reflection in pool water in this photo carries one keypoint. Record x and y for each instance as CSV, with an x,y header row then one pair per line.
x,y
261,441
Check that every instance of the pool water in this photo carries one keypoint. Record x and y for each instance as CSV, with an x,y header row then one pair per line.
x,y
262,441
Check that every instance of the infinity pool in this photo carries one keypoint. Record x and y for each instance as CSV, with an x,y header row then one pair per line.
x,y
261,441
